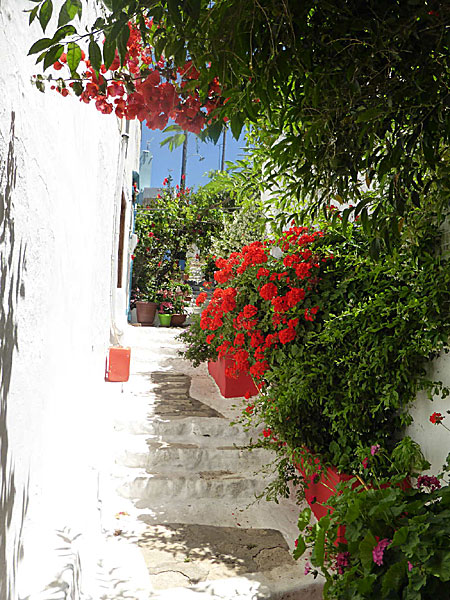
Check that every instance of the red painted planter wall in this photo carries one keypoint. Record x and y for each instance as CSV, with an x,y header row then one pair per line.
x,y
320,487
231,387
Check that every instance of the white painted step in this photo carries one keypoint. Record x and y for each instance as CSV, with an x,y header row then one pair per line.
x,y
161,456
206,484
218,430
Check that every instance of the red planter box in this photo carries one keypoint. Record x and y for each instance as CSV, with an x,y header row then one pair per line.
x,y
118,364
231,387
323,484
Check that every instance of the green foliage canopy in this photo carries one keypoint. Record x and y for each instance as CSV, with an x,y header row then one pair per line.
x,y
349,92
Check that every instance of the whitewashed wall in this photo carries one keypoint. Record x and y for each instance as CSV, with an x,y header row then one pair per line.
x,y
61,179
434,439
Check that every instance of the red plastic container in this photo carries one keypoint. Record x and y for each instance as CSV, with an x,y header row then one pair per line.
x,y
118,364
231,387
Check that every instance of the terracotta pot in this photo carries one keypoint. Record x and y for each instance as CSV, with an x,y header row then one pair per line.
x,y
178,320
164,320
145,312
231,387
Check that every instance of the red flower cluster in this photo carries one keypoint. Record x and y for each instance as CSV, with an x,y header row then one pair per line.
x,y
248,337
201,298
222,301
155,97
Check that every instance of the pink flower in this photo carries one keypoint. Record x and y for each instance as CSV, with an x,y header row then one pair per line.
x,y
307,568
410,567
342,561
374,449
378,551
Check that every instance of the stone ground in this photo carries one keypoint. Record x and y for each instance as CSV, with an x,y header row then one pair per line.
x,y
179,504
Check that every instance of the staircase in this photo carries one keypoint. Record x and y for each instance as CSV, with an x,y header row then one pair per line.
x,y
189,487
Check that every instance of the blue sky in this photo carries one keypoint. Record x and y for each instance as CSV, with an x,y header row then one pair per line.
x,y
202,157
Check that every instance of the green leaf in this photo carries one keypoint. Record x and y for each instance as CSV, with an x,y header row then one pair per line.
x,y
179,139
73,56
77,88
365,584
167,140
304,518
366,546
374,249
69,10
41,57
122,41
95,55
63,32
236,125
109,51
365,221
300,549
353,511
393,578
319,548
443,570
174,10
172,128
214,131
52,55
40,45
33,14
45,14
400,537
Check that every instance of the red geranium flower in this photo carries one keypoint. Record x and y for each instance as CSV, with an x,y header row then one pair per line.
x,y
201,298
436,418
249,311
268,291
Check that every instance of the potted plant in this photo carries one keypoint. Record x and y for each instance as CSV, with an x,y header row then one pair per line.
x,y
165,312
181,294
381,540
146,302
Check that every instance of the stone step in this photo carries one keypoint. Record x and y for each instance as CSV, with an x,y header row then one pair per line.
x,y
161,455
229,512
182,487
217,562
217,430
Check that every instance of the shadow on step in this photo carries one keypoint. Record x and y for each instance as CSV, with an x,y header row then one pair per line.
x,y
203,552
172,399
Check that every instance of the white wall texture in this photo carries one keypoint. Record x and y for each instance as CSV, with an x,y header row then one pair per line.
x,y
61,179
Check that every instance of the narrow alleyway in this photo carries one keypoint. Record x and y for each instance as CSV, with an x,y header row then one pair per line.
x,y
180,505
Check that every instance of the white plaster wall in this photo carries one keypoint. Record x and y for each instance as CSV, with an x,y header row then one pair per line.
x,y
59,178
434,439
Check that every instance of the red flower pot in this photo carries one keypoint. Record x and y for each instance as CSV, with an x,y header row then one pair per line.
x,y
231,387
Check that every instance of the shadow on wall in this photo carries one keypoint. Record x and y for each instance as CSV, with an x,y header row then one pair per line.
x,y
12,263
